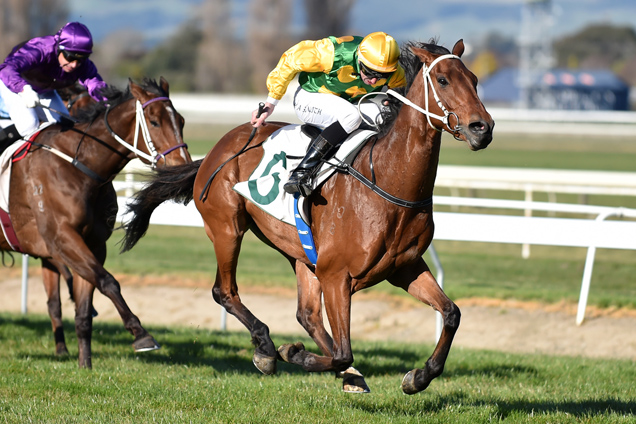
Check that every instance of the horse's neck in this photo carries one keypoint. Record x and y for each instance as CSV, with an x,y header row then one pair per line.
x,y
107,156
408,155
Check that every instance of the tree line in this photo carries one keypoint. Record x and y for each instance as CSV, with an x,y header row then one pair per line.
x,y
206,55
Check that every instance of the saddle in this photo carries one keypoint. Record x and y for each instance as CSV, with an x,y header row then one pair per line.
x,y
282,152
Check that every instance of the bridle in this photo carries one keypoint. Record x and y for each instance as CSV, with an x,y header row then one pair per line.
x,y
426,74
371,184
141,126
74,100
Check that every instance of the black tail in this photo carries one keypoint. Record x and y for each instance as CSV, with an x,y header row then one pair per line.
x,y
169,183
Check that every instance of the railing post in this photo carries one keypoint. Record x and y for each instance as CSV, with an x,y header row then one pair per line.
x,y
439,322
587,272
25,282
525,248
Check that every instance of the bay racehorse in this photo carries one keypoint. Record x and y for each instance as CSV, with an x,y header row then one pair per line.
x,y
63,205
361,238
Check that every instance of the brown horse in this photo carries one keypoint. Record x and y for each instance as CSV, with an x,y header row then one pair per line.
x,y
63,205
361,237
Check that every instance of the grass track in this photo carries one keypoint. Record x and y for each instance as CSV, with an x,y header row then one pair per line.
x,y
208,377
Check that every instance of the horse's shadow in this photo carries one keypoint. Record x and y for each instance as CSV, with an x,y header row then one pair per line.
x,y
501,408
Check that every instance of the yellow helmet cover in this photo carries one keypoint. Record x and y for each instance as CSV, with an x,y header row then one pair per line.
x,y
379,51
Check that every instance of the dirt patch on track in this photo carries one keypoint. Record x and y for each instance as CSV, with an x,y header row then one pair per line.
x,y
509,326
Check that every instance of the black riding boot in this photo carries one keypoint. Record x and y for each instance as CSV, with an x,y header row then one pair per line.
x,y
300,180
8,136
322,148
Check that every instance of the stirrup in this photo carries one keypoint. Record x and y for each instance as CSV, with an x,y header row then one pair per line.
x,y
299,185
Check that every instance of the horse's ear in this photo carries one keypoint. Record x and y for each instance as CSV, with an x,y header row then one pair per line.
x,y
424,55
163,83
458,48
135,89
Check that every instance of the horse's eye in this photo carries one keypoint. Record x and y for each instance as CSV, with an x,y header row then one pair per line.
x,y
442,81
154,124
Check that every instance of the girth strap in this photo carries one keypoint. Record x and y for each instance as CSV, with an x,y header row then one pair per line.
x,y
387,196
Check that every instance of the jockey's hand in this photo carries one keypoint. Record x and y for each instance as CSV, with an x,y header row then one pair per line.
x,y
260,121
29,96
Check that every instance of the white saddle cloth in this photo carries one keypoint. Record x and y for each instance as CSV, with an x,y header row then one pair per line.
x,y
265,186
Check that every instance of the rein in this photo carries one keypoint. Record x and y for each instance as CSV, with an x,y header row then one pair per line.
x,y
261,106
74,100
142,126
426,74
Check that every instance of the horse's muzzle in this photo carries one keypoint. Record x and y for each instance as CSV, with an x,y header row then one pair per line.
x,y
479,134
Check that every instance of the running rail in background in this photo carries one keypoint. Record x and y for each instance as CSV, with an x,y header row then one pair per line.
x,y
573,232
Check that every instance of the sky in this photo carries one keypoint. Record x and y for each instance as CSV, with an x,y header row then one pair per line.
x,y
416,20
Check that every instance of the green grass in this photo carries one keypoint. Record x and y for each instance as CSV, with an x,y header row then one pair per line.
x,y
207,377
545,151
508,150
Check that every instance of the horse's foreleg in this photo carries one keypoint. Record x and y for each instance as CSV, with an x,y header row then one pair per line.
x,y
338,307
418,281
51,280
309,311
309,315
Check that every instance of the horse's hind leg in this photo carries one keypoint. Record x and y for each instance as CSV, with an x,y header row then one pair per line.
x,y
51,280
225,293
418,281
76,254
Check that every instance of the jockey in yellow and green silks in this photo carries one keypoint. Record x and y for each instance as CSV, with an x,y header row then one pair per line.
x,y
333,74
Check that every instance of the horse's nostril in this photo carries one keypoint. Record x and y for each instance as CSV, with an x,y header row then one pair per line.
x,y
478,127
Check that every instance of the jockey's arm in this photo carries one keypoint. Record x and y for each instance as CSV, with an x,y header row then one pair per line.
x,y
306,56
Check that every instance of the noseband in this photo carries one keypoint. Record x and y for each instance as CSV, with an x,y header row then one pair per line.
x,y
142,126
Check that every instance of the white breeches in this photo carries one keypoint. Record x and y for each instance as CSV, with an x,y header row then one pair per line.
x,y
322,110
27,120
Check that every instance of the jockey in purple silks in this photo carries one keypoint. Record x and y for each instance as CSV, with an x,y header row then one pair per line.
x,y
33,71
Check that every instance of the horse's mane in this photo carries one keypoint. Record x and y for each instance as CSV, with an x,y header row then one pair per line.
x,y
67,93
115,97
412,66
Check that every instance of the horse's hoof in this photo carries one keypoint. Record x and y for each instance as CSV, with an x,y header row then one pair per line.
x,y
145,344
353,381
61,351
265,364
286,351
408,383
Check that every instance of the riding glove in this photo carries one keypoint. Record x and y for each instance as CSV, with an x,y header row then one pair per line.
x,y
29,97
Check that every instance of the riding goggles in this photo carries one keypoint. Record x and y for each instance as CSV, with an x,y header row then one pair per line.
x,y
73,56
374,74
